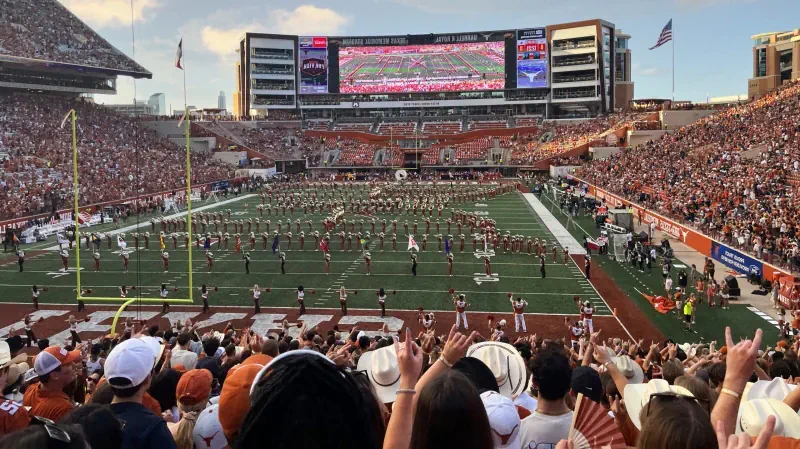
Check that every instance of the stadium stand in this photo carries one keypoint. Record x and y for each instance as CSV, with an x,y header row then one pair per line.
x,y
352,152
45,30
38,171
728,175
397,128
487,124
318,125
526,121
348,126
434,128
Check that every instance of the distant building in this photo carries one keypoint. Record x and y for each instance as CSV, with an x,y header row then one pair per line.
x,y
221,100
158,103
141,108
776,60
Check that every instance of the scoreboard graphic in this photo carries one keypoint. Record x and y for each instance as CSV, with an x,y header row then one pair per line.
x,y
313,64
532,59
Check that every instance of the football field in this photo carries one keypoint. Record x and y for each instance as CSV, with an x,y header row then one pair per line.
x,y
550,299
391,269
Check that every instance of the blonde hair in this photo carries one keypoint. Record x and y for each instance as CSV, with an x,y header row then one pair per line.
x,y
255,288
342,290
183,437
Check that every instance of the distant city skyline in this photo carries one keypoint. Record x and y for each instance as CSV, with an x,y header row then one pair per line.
x,y
221,100
713,49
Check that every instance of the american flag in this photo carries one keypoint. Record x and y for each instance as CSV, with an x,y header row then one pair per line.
x,y
666,35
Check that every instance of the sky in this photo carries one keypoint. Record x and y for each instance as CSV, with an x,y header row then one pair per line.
x,y
713,49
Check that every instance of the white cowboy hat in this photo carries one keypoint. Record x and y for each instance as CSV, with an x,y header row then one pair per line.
x,y
753,415
768,389
383,371
5,356
638,395
506,364
632,371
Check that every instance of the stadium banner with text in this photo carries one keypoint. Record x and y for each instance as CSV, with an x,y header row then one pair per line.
x,y
692,238
313,64
532,59
735,260
422,63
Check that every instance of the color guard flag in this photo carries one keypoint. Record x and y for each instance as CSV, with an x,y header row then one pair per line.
x,y
412,243
447,245
323,245
183,117
66,117
179,55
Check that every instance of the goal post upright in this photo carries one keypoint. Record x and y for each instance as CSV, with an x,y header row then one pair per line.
x,y
75,189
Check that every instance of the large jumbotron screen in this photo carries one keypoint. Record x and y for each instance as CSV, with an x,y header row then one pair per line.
x,y
422,68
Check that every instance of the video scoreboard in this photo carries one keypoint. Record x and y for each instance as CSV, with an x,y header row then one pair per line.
x,y
532,59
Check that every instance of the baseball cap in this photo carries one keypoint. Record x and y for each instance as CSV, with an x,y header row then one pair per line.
x,y
194,387
207,431
257,359
503,419
586,381
234,400
53,358
130,363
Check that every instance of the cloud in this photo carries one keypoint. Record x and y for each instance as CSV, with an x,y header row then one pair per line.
x,y
650,71
704,3
307,19
108,13
223,42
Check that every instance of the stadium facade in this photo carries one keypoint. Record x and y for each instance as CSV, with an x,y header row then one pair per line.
x,y
577,69
776,60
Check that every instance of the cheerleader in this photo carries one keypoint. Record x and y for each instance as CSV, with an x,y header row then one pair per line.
x,y
123,291
29,330
165,306
428,321
64,260
256,295
209,260
35,297
204,296
73,330
343,299
382,301
300,295
128,327
125,256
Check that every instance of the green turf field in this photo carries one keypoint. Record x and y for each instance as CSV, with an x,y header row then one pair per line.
x,y
517,273
710,323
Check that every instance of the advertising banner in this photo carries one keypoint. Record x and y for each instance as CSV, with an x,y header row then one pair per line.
x,y
313,52
736,260
531,58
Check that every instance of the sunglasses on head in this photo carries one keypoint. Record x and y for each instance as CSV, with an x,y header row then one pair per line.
x,y
670,396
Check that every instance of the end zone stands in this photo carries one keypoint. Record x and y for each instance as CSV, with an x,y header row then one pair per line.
x,y
318,125
433,128
526,121
348,126
488,124
397,128
45,30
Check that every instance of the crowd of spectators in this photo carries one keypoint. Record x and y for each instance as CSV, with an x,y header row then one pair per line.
x,y
117,157
43,29
727,175
305,388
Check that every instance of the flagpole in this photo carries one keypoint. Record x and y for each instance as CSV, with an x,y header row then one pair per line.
x,y
75,194
673,62
188,176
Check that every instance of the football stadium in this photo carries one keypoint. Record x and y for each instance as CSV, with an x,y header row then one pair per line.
x,y
395,226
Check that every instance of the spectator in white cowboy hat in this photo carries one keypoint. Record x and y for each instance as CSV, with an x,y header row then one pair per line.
x,y
14,381
128,371
504,420
383,372
550,422
13,415
638,396
506,364
776,388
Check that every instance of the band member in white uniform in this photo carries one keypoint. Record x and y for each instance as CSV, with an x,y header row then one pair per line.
x,y
519,314
461,310
587,310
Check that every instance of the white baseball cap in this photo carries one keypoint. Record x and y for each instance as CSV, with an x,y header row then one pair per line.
x,y
53,358
208,431
503,420
131,361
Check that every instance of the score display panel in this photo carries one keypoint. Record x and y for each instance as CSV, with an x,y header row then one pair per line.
x,y
532,59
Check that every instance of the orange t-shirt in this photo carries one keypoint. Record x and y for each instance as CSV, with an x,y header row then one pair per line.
x,y
31,396
52,405
150,402
13,417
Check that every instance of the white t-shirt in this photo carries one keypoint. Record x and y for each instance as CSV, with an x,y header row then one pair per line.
x,y
526,401
543,431
183,357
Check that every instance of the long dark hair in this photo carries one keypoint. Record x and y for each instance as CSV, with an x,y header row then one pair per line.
x,y
36,437
299,392
450,398
381,292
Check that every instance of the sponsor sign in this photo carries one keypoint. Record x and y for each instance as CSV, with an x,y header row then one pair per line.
x,y
313,52
736,260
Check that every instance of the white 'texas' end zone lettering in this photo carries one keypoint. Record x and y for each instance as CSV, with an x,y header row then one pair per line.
x,y
20,325
394,324
93,325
